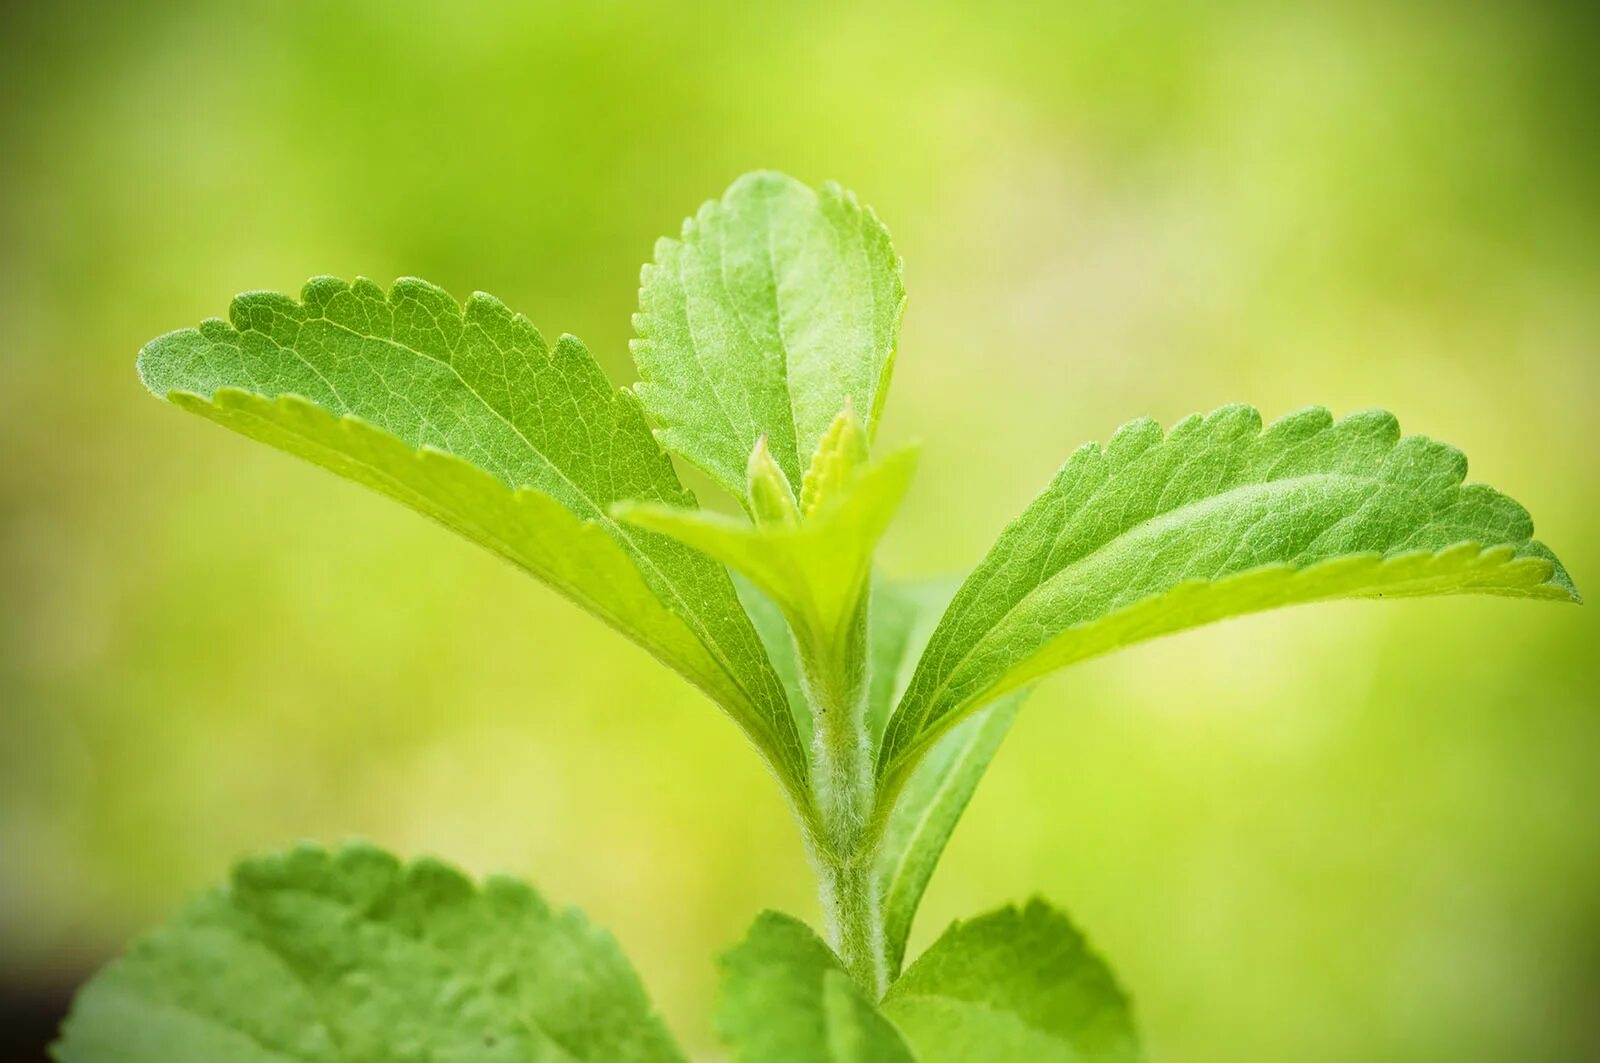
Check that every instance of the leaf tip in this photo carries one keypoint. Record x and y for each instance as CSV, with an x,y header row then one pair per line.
x,y
762,183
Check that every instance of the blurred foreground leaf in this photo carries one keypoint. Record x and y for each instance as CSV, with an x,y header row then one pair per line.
x,y
317,956
1013,984
786,997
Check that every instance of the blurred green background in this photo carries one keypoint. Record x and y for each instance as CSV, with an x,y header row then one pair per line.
x,y
1356,832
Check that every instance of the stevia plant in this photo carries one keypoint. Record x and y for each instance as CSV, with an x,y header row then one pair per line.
x,y
766,336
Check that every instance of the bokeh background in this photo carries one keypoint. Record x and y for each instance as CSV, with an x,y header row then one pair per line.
x,y
1354,832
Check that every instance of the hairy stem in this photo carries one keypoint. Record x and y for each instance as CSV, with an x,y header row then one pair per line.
x,y
853,906
843,842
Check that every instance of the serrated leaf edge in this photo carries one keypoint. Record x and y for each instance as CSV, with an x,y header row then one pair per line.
x,y
1552,582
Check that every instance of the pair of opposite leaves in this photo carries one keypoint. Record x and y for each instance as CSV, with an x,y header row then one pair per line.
x,y
778,308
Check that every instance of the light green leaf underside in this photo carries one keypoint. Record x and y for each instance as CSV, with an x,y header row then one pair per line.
x,y
903,616
1153,534
785,998
1013,984
927,809
926,812
775,306
774,631
527,527
467,416
313,956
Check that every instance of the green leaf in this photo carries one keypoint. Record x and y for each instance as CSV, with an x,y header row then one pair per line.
x,y
318,956
817,569
1154,534
466,415
785,997
926,812
902,617
774,631
1013,985
776,306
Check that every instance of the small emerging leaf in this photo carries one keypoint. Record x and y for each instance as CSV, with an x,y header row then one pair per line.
x,y
316,956
1154,533
775,307
817,569
770,496
772,500
1013,984
786,998
839,459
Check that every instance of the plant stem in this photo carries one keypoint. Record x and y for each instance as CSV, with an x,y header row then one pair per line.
x,y
843,844
847,886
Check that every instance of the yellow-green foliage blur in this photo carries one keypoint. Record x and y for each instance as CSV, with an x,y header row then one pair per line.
x,y
1351,832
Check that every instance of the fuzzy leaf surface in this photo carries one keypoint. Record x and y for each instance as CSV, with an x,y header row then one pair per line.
x,y
785,997
1013,984
1156,533
467,415
312,956
775,307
